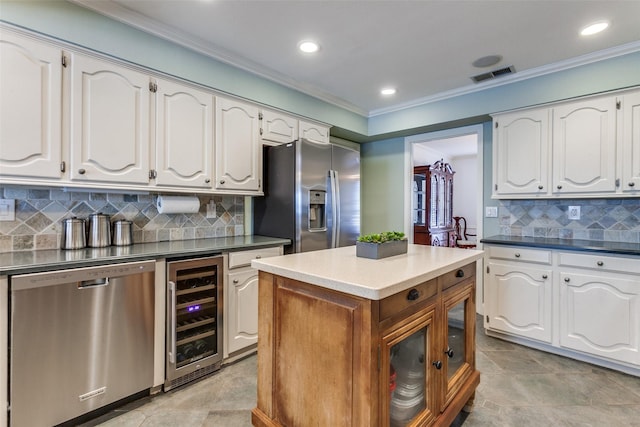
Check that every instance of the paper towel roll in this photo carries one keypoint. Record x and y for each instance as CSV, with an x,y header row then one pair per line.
x,y
178,204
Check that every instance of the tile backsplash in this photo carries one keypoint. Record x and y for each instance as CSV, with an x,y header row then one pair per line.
x,y
611,220
39,213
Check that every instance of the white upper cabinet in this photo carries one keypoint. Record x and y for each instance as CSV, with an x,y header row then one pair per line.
x,y
630,105
30,108
184,136
109,123
238,151
521,145
584,146
278,128
314,132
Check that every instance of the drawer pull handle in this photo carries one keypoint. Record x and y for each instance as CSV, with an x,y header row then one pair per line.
x,y
600,263
413,295
517,255
460,273
437,364
566,279
544,276
449,352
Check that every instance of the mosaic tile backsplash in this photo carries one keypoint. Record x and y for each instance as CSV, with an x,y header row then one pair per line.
x,y
610,220
39,215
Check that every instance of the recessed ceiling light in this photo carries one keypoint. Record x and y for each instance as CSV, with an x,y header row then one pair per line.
x,y
308,46
388,91
594,28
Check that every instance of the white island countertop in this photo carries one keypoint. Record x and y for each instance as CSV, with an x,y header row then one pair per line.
x,y
339,269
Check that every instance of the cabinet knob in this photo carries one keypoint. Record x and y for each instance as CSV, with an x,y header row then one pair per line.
x,y
517,255
600,263
559,187
437,364
413,295
544,276
449,352
222,181
82,171
206,181
631,184
258,256
566,279
540,187
460,273
235,281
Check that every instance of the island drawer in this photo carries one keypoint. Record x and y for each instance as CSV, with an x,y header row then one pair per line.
x,y
412,296
521,254
243,258
458,275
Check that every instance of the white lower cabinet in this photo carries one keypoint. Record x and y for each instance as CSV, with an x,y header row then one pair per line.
x,y
519,300
584,305
240,313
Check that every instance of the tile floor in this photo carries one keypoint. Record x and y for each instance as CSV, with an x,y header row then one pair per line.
x,y
519,387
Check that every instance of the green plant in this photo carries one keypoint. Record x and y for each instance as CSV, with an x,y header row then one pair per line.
x,y
385,236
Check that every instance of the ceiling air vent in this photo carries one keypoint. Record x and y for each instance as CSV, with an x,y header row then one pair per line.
x,y
493,74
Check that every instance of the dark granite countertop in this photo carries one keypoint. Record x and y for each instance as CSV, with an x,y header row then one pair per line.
x,y
57,259
622,248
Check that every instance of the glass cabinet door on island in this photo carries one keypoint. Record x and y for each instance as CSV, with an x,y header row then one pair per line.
x,y
411,396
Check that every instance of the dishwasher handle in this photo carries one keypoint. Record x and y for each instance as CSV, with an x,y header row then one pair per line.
x,y
84,284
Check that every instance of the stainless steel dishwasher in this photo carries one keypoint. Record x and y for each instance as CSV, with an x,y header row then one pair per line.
x,y
80,339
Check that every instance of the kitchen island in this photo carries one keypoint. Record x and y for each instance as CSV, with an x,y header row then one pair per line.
x,y
352,341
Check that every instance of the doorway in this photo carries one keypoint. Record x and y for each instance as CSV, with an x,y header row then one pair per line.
x,y
463,149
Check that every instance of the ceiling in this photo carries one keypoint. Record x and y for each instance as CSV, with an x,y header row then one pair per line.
x,y
423,48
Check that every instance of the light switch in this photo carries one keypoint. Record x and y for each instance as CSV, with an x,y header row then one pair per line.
x,y
574,212
7,210
491,211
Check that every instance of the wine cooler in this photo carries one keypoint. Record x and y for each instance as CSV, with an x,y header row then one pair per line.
x,y
194,314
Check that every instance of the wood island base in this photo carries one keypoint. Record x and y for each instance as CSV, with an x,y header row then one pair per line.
x,y
326,358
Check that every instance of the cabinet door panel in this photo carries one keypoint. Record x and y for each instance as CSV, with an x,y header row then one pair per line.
x,y
600,315
242,304
521,148
314,132
631,143
184,136
584,146
238,154
519,300
109,123
30,108
278,127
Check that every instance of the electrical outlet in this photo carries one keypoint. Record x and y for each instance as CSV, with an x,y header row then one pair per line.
x,y
573,212
7,210
211,209
491,211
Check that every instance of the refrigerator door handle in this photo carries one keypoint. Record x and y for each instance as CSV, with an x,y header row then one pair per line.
x,y
335,209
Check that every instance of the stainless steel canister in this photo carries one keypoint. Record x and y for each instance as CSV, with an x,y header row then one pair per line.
x,y
99,234
74,234
122,232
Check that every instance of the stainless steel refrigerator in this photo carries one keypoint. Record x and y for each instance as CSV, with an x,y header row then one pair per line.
x,y
312,196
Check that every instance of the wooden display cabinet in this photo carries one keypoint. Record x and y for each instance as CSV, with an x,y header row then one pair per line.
x,y
433,205
325,357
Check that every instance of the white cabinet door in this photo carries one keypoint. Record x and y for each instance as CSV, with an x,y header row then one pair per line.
x,y
242,309
631,143
584,146
277,127
109,123
520,152
314,132
238,152
184,136
30,108
519,300
600,315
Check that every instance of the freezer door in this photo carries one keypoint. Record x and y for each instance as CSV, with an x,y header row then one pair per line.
x,y
312,176
346,163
